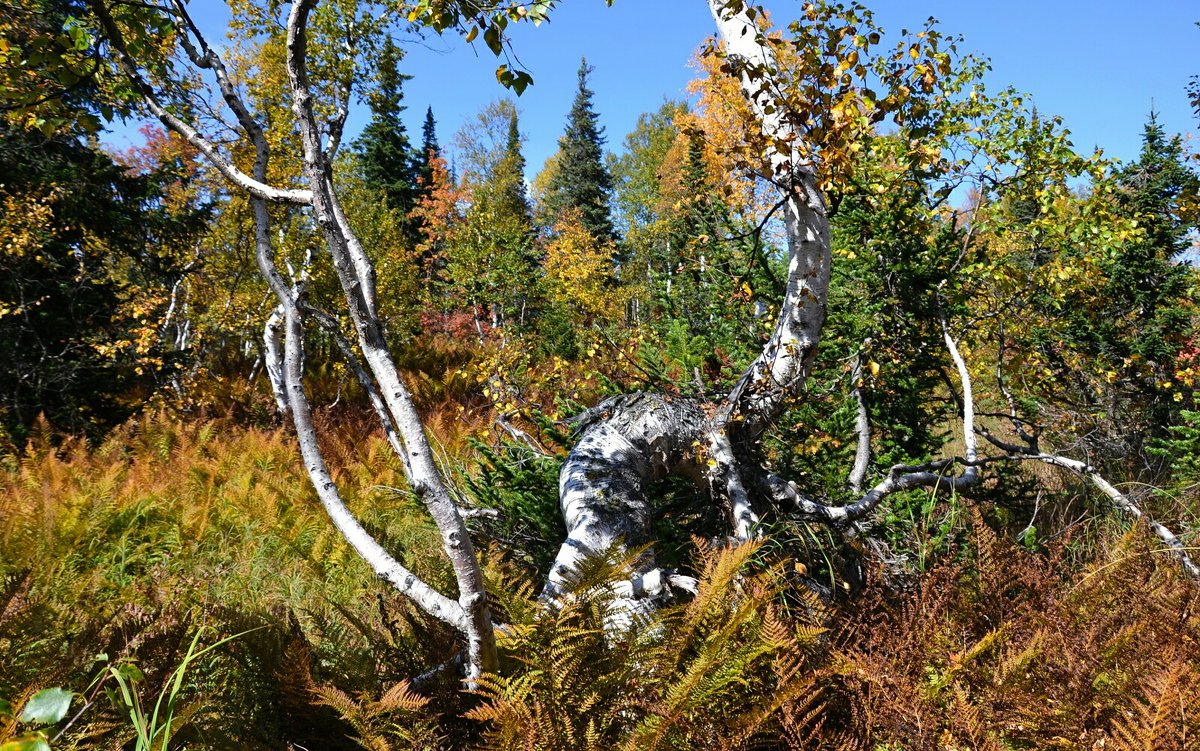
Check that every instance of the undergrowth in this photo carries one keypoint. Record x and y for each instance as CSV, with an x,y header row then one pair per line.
x,y
128,547
131,548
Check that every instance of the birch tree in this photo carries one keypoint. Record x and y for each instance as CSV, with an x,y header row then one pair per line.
x,y
318,121
800,141
804,124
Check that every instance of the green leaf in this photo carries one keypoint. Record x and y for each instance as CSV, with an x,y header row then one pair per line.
x,y
493,40
6,708
521,81
32,742
47,706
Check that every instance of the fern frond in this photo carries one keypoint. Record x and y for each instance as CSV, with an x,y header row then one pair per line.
x,y
402,697
1166,715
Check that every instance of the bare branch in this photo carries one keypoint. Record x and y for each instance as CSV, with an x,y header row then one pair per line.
x,y
968,401
254,187
522,436
1120,500
206,57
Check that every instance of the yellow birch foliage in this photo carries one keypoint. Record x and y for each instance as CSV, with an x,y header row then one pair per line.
x,y
25,223
577,270
835,85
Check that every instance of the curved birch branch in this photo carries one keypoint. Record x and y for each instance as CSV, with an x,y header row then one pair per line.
x,y
255,186
862,428
356,277
1120,500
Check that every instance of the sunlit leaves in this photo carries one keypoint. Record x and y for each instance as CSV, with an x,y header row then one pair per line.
x,y
837,84
47,706
578,268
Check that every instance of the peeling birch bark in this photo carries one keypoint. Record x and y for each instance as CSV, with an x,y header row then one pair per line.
x,y
781,368
629,443
273,359
862,427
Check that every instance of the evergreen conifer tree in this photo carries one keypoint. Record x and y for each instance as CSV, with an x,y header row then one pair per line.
x,y
511,174
702,276
388,163
1137,321
582,180
429,149
1148,288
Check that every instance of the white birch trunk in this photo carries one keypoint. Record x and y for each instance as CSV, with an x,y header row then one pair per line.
x,y
273,359
469,614
635,441
355,275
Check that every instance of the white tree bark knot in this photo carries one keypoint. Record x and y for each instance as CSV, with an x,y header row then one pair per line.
x,y
625,444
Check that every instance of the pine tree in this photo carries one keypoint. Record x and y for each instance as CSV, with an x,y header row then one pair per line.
x,y
582,180
388,163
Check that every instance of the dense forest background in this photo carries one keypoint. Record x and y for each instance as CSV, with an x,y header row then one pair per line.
x,y
152,502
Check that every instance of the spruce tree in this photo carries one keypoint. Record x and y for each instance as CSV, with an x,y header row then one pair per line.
x,y
512,173
1145,312
388,163
1138,321
429,149
1148,287
582,180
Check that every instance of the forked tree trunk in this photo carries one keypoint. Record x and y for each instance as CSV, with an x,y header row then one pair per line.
x,y
632,442
284,334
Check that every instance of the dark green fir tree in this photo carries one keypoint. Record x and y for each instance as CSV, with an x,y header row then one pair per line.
x,y
1149,288
582,180
1139,321
388,162
511,173
429,149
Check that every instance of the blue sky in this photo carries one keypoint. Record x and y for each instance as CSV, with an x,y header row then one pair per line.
x,y
1097,64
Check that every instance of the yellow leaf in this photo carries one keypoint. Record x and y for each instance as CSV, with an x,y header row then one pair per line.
x,y
873,367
